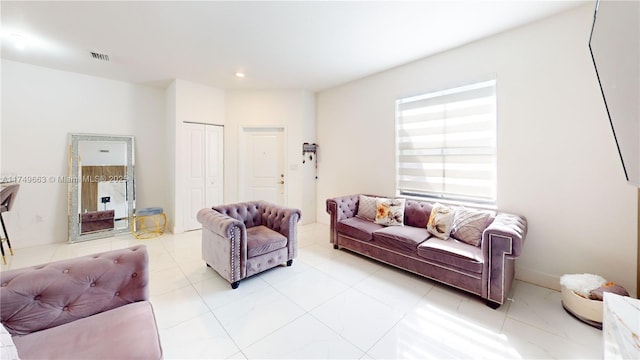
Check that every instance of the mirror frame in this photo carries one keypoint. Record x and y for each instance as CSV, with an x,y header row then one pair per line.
x,y
613,44
74,186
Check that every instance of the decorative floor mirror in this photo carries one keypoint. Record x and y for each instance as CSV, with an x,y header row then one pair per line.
x,y
101,186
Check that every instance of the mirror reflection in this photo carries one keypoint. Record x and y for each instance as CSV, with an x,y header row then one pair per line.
x,y
102,191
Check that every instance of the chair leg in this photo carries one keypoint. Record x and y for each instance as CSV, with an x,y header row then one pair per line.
x,y
234,285
335,246
4,259
6,234
492,304
289,262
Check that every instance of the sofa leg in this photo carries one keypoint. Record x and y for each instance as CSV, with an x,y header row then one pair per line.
x,y
208,265
492,304
234,285
289,262
335,246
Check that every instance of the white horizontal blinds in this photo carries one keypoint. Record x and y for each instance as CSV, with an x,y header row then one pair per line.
x,y
446,143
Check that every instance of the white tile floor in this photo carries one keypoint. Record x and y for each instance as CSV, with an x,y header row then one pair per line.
x,y
334,304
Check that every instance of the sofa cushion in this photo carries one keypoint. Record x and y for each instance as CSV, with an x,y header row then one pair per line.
x,y
390,211
468,225
358,228
366,207
401,237
440,221
130,332
452,252
261,240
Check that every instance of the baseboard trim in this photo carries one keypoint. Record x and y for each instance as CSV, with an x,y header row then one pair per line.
x,y
538,278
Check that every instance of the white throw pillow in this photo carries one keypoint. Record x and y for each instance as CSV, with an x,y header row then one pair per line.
x,y
390,211
440,221
468,225
366,207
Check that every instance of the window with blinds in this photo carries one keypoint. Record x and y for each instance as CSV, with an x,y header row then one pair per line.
x,y
446,144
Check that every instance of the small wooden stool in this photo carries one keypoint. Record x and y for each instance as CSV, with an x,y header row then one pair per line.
x,y
148,223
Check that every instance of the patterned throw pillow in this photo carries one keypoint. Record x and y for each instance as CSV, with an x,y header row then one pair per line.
x,y
390,211
440,221
366,207
468,225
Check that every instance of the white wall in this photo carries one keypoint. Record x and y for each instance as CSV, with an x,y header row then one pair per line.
x,y
40,107
295,111
557,159
187,102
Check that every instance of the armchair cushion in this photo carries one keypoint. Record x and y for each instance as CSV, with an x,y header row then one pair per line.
x,y
261,240
127,332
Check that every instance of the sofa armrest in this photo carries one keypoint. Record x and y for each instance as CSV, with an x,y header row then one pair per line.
x,y
507,232
224,243
45,296
283,220
340,208
502,242
221,224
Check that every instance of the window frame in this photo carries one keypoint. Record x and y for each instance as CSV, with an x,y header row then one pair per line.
x,y
489,199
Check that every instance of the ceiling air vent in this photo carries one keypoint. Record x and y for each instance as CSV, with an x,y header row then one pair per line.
x,y
98,56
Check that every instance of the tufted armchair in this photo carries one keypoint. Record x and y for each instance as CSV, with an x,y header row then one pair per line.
x,y
243,239
90,307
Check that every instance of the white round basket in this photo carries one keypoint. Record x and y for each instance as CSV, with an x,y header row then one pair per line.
x,y
587,310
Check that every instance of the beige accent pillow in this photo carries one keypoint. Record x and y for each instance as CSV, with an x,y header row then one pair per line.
x,y
390,212
468,225
366,207
440,221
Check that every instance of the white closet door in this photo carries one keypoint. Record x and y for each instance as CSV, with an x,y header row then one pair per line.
x,y
203,170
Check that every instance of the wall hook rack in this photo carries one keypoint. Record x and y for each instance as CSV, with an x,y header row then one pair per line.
x,y
312,151
309,149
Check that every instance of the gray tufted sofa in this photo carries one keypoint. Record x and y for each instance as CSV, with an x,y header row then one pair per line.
x,y
90,307
486,270
243,239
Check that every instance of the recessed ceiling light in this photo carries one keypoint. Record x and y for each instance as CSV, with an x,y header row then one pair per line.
x,y
240,74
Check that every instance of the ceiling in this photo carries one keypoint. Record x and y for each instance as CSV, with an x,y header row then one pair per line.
x,y
310,45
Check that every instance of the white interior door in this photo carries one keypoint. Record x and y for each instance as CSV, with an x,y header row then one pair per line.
x,y
264,177
203,170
